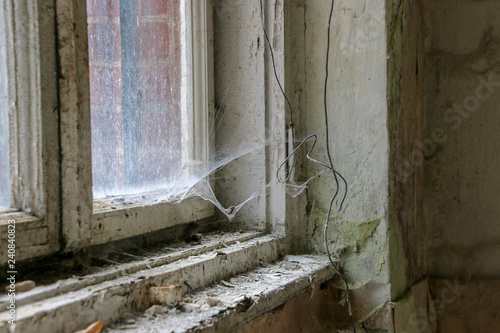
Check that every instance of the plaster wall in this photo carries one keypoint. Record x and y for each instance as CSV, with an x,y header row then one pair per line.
x,y
359,142
462,98
358,121
357,107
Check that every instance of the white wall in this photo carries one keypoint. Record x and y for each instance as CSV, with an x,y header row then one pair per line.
x,y
357,107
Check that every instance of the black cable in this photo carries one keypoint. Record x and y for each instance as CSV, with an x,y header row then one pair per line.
x,y
336,174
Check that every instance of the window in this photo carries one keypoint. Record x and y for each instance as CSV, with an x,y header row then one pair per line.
x,y
88,219
49,186
134,115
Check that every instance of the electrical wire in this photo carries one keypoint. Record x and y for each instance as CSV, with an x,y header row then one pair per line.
x,y
334,172
329,166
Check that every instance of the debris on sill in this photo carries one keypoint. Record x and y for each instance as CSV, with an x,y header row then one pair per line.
x,y
165,295
248,295
213,301
22,286
194,239
93,328
227,284
89,268
111,295
244,304
155,310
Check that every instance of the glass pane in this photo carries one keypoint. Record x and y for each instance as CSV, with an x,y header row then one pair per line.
x,y
4,124
137,72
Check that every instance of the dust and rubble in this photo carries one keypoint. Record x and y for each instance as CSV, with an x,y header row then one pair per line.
x,y
95,266
239,294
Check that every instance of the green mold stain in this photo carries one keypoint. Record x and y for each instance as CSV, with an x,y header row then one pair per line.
x,y
352,234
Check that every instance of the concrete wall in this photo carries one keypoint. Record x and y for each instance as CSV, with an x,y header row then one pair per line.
x,y
462,97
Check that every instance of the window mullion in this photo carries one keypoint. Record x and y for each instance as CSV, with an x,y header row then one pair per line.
x,y
76,167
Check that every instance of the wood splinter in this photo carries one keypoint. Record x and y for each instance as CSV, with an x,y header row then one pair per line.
x,y
93,328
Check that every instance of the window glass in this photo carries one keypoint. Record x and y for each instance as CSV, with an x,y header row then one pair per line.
x,y
4,124
138,93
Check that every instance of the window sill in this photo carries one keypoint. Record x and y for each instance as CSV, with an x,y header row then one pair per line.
x,y
125,290
117,222
22,219
236,301
28,229
75,283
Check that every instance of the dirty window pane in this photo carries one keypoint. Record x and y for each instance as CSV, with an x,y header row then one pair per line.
x,y
137,70
4,125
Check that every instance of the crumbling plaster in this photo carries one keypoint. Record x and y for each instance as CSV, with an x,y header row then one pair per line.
x,y
359,141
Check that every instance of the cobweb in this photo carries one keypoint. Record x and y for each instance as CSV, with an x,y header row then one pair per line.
x,y
196,178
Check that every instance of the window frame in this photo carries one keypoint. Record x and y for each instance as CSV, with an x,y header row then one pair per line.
x,y
29,29
81,227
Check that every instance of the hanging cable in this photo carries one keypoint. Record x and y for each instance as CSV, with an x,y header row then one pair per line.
x,y
335,173
314,137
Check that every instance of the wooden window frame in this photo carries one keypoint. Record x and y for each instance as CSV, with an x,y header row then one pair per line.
x,y
31,66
